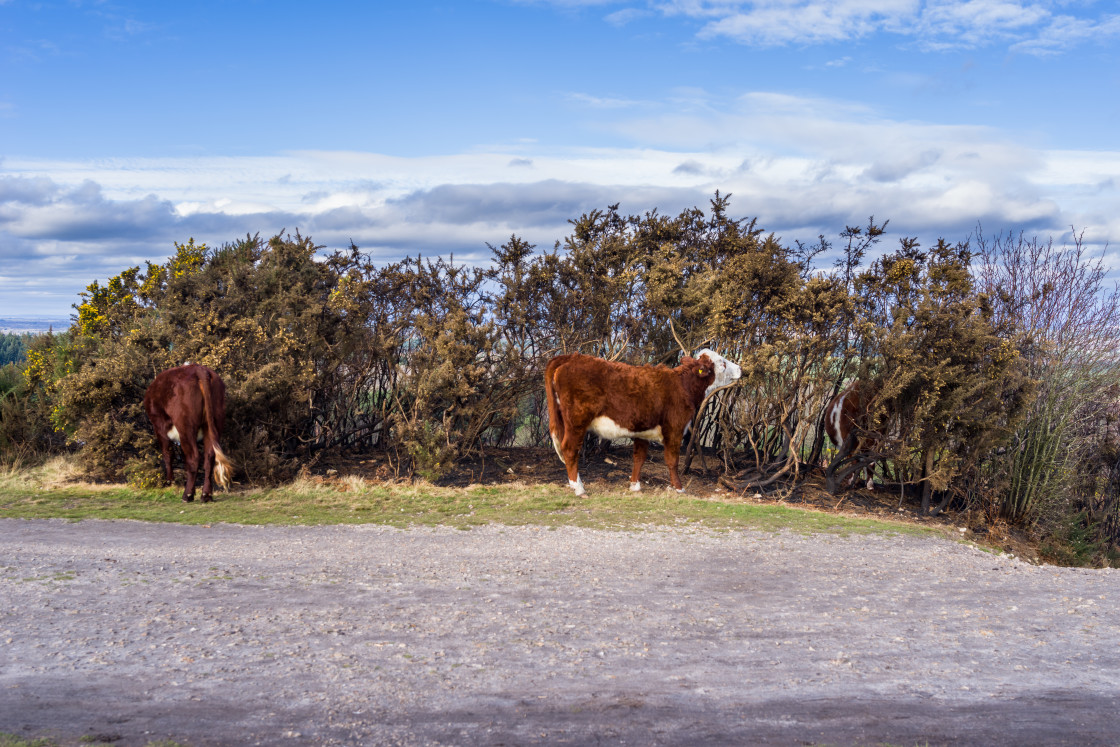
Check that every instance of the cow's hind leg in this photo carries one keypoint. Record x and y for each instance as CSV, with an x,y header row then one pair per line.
x,y
165,448
161,426
641,449
190,456
569,451
207,471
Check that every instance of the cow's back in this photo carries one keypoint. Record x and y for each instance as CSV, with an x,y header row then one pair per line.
x,y
586,387
179,389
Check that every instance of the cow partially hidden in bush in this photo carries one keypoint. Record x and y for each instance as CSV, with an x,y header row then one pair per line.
x,y
843,415
616,400
188,404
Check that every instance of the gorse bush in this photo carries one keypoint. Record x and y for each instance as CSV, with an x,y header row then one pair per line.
x,y
976,395
29,411
259,313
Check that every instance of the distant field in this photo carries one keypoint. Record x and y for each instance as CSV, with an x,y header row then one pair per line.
x,y
36,325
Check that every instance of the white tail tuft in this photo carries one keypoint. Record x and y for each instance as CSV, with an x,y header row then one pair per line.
x,y
223,468
556,445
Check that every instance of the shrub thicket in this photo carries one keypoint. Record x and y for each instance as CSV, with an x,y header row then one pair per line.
x,y
1063,463
28,400
978,393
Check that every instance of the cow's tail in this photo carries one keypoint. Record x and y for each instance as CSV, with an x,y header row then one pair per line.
x,y
223,468
555,418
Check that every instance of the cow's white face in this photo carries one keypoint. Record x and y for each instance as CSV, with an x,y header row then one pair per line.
x,y
726,371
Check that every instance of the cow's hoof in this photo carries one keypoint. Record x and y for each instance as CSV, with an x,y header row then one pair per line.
x,y
188,499
636,486
207,498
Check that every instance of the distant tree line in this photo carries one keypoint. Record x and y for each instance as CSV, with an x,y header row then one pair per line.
x,y
989,367
13,347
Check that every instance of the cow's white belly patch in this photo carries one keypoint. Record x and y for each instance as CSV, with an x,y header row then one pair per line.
x,y
173,434
611,430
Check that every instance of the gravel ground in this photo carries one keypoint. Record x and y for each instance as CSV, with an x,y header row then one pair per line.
x,y
130,632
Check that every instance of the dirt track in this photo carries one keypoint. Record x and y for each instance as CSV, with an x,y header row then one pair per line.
x,y
134,632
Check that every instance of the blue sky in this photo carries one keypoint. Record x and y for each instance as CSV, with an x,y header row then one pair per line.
x,y
437,127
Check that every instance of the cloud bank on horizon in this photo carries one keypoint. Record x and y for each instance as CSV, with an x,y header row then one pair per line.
x,y
1032,27
830,112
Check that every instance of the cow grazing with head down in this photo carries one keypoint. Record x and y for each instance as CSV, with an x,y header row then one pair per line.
x,y
186,404
616,400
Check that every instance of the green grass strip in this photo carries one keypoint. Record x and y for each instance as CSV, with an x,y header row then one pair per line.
x,y
355,501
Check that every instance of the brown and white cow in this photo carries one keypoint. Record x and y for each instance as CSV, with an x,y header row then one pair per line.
x,y
186,404
617,400
842,416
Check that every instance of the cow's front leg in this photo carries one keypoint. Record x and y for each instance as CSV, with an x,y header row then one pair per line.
x,y
672,457
641,449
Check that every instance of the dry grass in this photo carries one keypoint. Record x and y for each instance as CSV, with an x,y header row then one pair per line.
x,y
54,490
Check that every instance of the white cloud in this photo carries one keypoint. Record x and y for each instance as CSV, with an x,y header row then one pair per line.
x,y
981,17
1066,32
568,3
776,22
600,102
802,166
626,16
1036,27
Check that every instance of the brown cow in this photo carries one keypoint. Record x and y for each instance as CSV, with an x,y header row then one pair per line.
x,y
186,404
616,400
841,418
